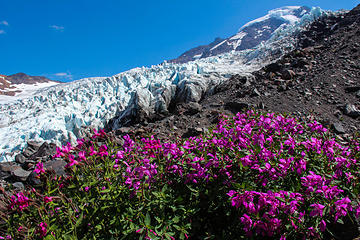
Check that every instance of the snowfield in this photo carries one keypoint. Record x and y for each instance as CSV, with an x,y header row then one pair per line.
x,y
25,90
59,113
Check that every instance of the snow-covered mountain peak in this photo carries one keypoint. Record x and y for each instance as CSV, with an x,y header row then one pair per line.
x,y
287,14
251,34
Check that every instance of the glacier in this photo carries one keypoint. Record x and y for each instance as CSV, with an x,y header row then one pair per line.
x,y
63,112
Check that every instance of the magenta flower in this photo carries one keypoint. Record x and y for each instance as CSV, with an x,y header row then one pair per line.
x,y
39,168
48,199
7,237
342,206
82,156
317,210
322,226
58,153
42,229
357,211
120,155
247,222
128,143
71,162
103,151
92,151
100,133
80,142
21,201
312,233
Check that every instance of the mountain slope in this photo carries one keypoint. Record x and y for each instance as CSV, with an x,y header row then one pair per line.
x,y
250,35
21,84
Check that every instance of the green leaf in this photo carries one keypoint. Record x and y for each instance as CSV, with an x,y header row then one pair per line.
x,y
177,227
159,220
49,237
165,187
147,219
105,190
340,221
79,220
176,219
182,236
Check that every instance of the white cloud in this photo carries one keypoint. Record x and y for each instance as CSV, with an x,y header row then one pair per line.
x,y
4,23
57,28
64,75
2,31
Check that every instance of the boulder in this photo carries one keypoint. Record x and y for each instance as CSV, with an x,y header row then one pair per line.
x,y
255,93
352,89
236,107
58,166
45,151
287,74
6,169
338,128
351,110
20,158
19,186
273,67
193,132
21,174
192,108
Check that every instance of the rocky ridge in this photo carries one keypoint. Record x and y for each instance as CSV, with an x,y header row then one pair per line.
x,y
9,85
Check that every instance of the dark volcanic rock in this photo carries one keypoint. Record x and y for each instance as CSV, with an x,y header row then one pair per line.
x,y
19,186
122,131
21,174
352,89
287,74
338,128
28,152
273,67
34,145
193,132
20,158
6,169
351,110
235,107
33,179
58,166
192,108
45,151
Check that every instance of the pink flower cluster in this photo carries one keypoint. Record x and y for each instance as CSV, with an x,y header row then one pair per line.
x,y
269,154
19,201
42,229
264,211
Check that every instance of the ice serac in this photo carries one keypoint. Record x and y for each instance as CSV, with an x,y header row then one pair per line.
x,y
61,113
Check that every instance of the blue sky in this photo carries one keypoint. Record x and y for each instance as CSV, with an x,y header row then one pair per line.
x,y
72,39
